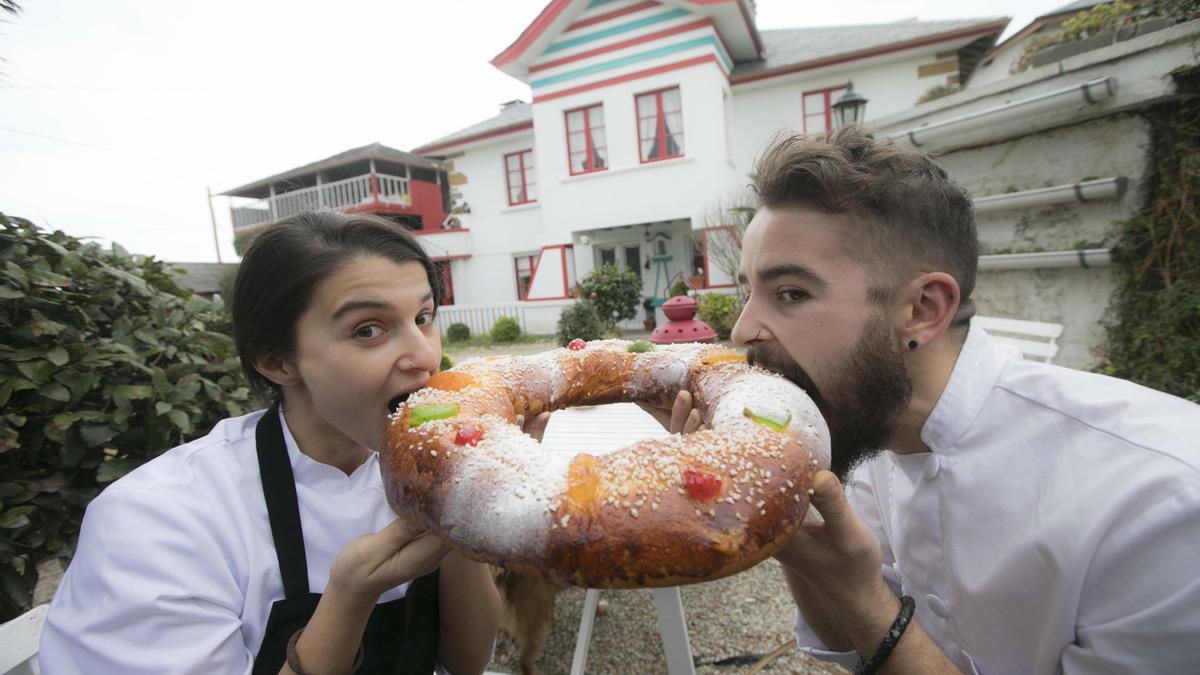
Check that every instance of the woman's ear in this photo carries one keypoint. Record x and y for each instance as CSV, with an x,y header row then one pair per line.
x,y
277,369
931,303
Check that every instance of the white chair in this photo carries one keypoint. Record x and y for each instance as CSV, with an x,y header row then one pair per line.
x,y
1037,340
598,430
19,640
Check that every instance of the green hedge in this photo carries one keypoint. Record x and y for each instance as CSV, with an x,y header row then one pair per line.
x,y
104,363
506,329
615,290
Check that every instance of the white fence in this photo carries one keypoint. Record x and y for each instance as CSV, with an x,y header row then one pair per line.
x,y
539,317
336,195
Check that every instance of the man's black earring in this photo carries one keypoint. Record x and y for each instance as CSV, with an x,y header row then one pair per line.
x,y
912,345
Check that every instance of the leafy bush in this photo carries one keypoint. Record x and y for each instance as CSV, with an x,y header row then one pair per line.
x,y
104,363
616,290
458,332
580,320
719,311
506,329
679,288
446,363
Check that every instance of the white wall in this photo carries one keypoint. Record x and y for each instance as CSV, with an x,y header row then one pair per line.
x,y
630,192
763,108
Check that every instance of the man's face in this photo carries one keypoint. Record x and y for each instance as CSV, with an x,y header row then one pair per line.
x,y
808,317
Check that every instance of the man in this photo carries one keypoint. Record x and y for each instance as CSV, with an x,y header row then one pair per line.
x,y
1043,519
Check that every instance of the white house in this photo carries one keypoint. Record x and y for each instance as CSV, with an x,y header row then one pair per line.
x,y
645,115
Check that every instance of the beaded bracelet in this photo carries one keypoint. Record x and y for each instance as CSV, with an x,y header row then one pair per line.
x,y
872,666
293,659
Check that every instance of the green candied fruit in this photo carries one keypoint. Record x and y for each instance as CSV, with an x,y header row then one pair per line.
x,y
428,413
640,347
772,423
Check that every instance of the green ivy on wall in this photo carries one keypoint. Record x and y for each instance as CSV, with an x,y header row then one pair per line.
x,y
1154,321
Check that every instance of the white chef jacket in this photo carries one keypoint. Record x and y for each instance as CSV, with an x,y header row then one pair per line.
x,y
176,570
1054,527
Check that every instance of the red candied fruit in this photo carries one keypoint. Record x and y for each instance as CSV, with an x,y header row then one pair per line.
x,y
701,485
576,344
468,436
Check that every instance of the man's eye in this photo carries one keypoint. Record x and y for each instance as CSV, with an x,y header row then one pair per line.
x,y
368,331
792,295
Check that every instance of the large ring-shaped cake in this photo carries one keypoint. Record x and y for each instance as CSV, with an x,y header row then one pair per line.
x,y
660,512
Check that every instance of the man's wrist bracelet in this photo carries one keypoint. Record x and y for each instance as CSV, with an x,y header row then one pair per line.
x,y
293,659
872,666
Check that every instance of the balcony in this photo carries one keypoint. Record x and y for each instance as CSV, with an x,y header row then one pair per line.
x,y
375,192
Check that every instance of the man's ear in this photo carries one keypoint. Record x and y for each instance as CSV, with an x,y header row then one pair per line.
x,y
277,369
930,304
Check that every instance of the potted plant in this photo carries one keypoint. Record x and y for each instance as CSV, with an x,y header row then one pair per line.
x,y
648,322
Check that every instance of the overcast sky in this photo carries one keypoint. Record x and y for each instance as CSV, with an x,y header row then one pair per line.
x,y
115,116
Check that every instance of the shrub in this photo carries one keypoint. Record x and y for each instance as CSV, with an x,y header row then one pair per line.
x,y
580,320
719,311
104,363
506,329
679,288
616,291
446,363
458,332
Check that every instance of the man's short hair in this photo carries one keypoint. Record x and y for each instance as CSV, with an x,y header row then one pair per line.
x,y
906,216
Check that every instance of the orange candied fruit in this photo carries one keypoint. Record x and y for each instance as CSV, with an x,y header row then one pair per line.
x,y
583,480
723,356
449,380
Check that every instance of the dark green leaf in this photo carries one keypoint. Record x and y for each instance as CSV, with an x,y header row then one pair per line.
x,y
58,356
8,293
162,407
96,435
55,392
132,392
115,468
36,371
180,419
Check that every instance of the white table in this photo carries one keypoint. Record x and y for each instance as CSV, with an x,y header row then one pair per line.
x,y
598,430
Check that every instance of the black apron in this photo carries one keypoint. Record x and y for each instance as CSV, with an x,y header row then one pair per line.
x,y
401,636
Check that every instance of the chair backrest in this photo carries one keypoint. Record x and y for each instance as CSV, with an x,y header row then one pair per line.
x,y
1037,340
19,640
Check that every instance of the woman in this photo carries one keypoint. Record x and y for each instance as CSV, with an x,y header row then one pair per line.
x,y
268,545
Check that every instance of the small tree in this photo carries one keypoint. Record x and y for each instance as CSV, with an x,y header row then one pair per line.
x,y
458,332
580,320
725,224
616,291
720,311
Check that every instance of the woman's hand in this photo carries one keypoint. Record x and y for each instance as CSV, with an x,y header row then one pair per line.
x,y
374,563
682,418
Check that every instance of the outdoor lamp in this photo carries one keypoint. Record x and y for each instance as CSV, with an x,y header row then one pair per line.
x,y
850,108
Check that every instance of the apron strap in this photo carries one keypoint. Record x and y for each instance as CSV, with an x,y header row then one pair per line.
x,y
283,508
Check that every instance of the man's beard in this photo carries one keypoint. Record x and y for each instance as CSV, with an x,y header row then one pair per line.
x,y
861,402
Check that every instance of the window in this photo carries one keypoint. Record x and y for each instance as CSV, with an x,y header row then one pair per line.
x,y
587,149
627,255
818,109
525,266
522,187
660,125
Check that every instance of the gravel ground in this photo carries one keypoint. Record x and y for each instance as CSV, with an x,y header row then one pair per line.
x,y
750,613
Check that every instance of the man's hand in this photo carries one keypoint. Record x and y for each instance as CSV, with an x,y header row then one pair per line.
x,y
682,418
836,564
535,426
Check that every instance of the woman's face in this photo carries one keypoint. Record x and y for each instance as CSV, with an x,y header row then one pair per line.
x,y
366,339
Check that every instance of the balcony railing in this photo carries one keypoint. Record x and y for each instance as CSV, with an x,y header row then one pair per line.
x,y
342,194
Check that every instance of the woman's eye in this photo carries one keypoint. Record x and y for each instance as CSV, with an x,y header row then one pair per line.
x,y
425,318
368,331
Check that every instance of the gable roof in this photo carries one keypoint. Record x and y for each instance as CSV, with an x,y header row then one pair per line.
x,y
730,18
372,151
514,116
794,49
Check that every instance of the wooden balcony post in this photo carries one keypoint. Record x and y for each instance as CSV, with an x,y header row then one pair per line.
x,y
374,183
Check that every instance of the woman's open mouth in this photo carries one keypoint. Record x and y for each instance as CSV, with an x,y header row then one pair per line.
x,y
395,403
